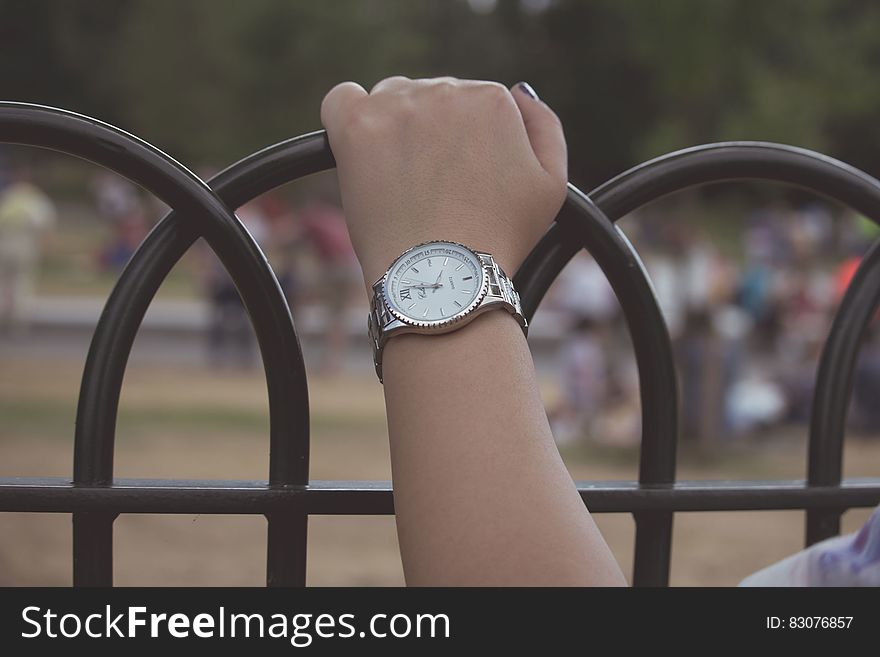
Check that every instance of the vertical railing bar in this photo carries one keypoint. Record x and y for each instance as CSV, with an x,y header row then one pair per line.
x,y
581,224
286,550
653,548
93,549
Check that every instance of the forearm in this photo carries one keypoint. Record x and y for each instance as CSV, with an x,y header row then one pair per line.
x,y
481,494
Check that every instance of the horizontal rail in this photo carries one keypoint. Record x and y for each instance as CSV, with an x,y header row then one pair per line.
x,y
59,495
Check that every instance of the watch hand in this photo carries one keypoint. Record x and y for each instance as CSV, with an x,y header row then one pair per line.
x,y
437,282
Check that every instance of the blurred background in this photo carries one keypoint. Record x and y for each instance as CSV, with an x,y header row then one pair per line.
x,y
748,275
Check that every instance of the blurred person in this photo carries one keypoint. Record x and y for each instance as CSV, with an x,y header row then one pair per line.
x,y
805,230
700,357
749,397
797,376
582,290
866,384
767,236
705,275
583,382
764,245
322,226
231,338
282,243
120,205
817,227
806,302
688,273
127,235
696,284
755,295
664,264
26,216
844,273
582,293
755,401
115,197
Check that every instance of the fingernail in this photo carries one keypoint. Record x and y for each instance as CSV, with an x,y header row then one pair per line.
x,y
526,88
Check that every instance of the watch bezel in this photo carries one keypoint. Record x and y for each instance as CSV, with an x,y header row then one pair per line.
x,y
436,325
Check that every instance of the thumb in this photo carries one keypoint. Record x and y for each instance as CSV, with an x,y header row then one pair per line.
x,y
544,129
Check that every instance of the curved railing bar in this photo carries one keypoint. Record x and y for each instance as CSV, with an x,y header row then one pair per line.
x,y
150,265
581,224
93,140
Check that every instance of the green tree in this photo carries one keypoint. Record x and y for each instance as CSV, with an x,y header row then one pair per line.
x,y
210,80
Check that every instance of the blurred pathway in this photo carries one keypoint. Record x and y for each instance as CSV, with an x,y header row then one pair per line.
x,y
174,332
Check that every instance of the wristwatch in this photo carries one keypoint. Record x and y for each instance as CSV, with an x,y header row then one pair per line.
x,y
437,287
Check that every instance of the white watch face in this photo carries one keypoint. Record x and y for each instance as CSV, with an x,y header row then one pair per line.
x,y
434,283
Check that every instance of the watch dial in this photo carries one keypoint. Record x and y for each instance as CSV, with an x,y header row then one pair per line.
x,y
434,282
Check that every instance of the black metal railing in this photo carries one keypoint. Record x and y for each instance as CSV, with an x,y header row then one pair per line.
x,y
288,498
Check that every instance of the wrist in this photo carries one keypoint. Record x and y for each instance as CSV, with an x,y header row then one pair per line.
x,y
438,287
491,336
376,264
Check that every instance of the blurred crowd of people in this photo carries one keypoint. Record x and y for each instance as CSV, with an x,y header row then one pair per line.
x,y
313,258
748,324
748,320
307,244
27,215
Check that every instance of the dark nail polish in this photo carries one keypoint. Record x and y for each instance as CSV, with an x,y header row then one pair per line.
x,y
526,88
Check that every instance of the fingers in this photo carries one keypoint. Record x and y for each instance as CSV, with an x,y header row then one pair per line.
x,y
338,104
393,83
544,129
542,126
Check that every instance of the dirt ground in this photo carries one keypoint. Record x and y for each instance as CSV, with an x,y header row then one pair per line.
x,y
181,422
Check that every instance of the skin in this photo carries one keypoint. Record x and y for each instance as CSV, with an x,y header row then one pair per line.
x,y
481,494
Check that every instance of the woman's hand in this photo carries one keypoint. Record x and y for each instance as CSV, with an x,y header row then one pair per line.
x,y
449,159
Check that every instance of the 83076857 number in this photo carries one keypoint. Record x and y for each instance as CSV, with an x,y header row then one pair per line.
x,y
809,622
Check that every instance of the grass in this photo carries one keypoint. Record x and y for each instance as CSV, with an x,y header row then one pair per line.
x,y
191,423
